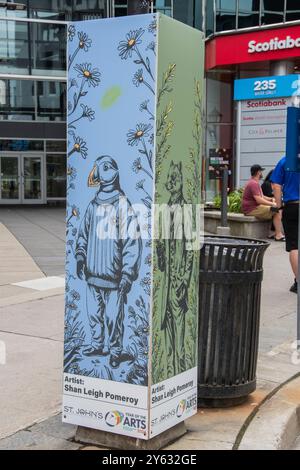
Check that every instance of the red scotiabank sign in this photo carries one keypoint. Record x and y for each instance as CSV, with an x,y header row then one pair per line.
x,y
271,44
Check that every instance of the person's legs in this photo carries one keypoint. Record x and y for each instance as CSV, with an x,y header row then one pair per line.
x,y
278,226
290,224
264,213
294,262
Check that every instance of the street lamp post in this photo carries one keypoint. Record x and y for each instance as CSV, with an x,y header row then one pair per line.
x,y
138,7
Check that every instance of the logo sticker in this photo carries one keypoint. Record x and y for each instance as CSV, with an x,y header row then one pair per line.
x,y
114,418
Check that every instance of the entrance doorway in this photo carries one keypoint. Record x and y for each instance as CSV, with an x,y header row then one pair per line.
x,y
21,179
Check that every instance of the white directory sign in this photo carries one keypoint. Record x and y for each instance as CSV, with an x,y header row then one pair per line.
x,y
261,134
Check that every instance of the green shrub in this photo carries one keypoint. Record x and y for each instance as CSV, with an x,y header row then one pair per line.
x,y
234,201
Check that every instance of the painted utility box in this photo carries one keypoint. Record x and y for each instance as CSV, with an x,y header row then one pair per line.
x,y
135,91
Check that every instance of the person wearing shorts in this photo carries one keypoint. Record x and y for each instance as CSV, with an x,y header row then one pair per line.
x,y
254,203
286,188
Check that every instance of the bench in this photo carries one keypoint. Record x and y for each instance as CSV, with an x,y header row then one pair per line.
x,y
240,225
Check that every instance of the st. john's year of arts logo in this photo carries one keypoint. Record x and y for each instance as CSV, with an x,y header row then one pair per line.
x,y
128,421
114,418
181,408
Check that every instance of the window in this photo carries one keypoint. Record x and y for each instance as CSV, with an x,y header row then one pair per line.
x,y
19,102
272,11
164,6
210,19
89,9
52,88
48,42
198,14
292,10
49,9
14,47
56,146
27,100
43,9
32,48
120,8
51,106
226,14
20,145
11,8
248,13
184,11
56,176
219,99
220,128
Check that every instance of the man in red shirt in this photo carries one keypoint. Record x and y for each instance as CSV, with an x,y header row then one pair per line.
x,y
256,204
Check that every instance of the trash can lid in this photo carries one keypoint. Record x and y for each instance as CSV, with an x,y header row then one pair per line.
x,y
233,241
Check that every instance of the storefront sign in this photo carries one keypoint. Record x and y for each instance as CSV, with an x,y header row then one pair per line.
x,y
262,133
273,45
134,132
219,159
260,45
266,87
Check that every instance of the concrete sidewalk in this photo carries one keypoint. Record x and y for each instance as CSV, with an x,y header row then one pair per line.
x,y
31,328
42,232
30,384
19,273
16,264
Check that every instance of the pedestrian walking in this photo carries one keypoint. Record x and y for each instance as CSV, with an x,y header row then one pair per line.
x,y
286,191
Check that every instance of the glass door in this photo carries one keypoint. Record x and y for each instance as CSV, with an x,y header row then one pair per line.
x,y
10,179
32,179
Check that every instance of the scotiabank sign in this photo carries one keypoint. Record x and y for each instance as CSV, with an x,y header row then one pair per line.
x,y
272,44
265,104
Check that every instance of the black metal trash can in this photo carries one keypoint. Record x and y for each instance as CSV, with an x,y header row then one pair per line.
x,y
231,272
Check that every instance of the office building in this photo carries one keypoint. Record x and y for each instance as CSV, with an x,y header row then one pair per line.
x,y
33,84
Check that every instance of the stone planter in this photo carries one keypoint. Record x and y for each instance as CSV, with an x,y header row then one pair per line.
x,y
240,225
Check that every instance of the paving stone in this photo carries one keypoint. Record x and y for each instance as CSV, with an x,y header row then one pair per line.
x,y
26,440
54,427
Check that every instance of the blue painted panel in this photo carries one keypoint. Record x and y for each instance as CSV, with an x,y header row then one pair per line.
x,y
111,108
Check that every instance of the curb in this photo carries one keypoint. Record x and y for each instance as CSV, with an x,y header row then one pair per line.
x,y
275,424
31,296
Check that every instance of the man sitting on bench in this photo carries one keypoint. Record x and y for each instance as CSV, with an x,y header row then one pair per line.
x,y
254,203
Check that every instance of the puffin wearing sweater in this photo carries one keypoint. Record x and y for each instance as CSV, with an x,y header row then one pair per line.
x,y
108,259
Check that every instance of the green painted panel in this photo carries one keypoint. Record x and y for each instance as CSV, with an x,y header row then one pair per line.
x,y
179,120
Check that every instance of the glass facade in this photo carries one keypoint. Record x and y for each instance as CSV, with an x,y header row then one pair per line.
x,y
292,10
56,175
58,10
33,76
32,100
220,126
189,12
227,15
119,7
28,161
248,13
32,48
272,11
14,145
